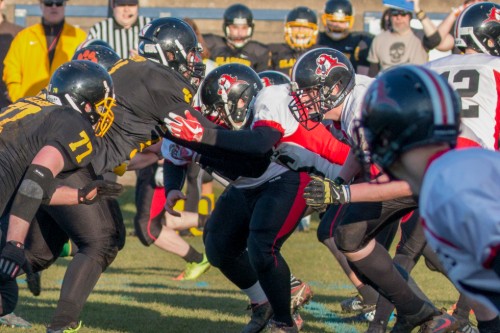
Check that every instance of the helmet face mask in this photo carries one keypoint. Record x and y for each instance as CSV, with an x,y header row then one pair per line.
x,y
478,28
338,18
173,43
229,92
87,88
405,108
238,25
301,28
321,80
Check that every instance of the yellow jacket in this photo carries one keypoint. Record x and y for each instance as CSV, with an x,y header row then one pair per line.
x,y
26,65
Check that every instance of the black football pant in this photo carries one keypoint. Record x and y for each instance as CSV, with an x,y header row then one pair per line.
x,y
97,230
246,230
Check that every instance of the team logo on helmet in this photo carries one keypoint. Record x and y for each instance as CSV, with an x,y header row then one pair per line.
x,y
88,55
266,81
326,63
226,83
493,15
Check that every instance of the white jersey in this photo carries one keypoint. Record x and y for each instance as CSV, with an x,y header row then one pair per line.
x,y
299,149
476,78
460,208
351,112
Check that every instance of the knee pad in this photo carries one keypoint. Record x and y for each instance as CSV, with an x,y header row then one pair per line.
x,y
350,237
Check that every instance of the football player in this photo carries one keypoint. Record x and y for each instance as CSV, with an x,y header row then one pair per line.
x,y
326,87
301,34
338,20
40,138
411,123
164,78
236,46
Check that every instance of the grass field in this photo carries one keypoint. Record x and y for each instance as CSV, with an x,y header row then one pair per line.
x,y
137,293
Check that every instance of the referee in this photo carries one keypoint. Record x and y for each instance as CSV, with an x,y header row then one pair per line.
x,y
122,30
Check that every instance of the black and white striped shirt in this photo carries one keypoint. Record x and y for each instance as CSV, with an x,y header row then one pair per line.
x,y
121,40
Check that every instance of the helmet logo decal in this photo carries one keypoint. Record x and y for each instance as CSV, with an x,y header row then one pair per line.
x,y
493,15
326,63
266,81
88,55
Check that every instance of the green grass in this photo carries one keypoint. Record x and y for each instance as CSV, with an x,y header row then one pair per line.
x,y
137,293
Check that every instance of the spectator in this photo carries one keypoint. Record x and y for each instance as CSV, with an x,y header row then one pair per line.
x,y
121,31
301,33
7,33
401,44
237,46
37,51
338,19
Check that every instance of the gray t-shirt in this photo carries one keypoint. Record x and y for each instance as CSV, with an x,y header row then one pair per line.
x,y
390,49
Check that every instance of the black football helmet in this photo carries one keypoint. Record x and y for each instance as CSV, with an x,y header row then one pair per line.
x,y
89,42
271,78
237,14
405,108
478,28
229,90
340,11
320,70
301,17
102,55
173,43
82,84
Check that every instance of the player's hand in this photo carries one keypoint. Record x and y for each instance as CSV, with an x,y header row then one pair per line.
x,y
12,260
177,154
187,129
320,192
172,197
98,190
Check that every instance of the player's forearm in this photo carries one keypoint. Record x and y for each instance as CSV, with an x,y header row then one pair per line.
x,y
257,141
64,196
373,192
18,229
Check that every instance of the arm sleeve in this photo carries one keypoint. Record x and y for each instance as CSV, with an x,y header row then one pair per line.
x,y
235,167
174,176
430,42
257,141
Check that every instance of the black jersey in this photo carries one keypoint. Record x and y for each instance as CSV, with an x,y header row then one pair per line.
x,y
145,92
253,54
355,46
283,57
33,123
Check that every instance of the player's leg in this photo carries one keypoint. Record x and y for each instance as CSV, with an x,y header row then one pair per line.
x,y
99,233
277,211
371,261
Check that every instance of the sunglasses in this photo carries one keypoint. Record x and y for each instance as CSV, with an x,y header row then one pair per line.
x,y
399,13
52,3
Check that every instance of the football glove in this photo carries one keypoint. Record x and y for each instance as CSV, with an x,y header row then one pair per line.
x,y
320,192
187,129
12,260
105,190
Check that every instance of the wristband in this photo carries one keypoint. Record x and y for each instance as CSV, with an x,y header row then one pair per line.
x,y
421,15
17,244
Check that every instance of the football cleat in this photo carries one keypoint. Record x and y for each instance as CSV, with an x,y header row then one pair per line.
x,y
300,295
71,328
261,313
194,270
441,323
297,318
278,327
11,320
356,304
406,323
